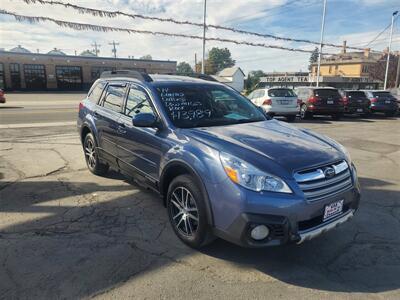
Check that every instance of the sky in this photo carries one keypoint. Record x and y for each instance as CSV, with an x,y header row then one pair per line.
x,y
357,21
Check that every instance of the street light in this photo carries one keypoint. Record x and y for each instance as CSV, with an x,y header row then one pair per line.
x,y
321,41
390,46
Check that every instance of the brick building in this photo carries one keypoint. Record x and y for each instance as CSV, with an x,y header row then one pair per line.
x,y
22,70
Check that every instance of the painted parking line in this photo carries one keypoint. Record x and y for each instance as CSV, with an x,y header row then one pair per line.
x,y
30,125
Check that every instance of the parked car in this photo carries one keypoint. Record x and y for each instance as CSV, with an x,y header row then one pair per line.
x,y
356,102
382,102
222,166
320,101
276,102
2,96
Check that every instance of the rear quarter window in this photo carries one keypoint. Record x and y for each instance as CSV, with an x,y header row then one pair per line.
x,y
96,91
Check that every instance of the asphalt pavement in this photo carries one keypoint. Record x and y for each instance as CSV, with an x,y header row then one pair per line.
x,y
65,233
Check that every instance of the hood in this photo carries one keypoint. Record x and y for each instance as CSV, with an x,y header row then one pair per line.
x,y
263,143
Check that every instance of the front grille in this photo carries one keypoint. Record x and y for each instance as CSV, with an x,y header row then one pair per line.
x,y
316,184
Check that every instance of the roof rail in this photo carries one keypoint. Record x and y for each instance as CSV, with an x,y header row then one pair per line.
x,y
127,73
201,76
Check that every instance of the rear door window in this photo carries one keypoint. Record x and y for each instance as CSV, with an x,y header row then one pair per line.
x,y
114,97
281,93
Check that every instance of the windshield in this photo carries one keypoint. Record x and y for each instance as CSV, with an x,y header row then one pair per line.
x,y
281,93
207,105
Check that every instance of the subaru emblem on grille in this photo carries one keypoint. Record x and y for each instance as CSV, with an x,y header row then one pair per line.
x,y
329,172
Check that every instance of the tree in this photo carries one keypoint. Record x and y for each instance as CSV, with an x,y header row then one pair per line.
x,y
253,78
377,70
313,58
147,56
220,58
183,68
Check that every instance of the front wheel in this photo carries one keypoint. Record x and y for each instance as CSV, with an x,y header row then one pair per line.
x,y
187,212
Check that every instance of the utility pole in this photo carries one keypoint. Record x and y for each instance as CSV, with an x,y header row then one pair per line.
x,y
204,38
320,42
96,48
114,50
388,55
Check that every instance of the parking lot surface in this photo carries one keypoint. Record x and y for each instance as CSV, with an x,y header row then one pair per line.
x,y
65,233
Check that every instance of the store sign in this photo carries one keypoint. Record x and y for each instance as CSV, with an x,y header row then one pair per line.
x,y
285,79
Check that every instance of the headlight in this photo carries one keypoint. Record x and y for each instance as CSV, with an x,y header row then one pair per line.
x,y
250,177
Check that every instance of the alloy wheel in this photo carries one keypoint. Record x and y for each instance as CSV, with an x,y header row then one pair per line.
x,y
184,212
90,153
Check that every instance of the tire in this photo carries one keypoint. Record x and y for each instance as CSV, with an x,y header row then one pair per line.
x,y
390,114
304,114
91,156
291,118
187,212
337,117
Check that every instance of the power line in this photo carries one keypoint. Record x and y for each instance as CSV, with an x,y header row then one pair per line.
x,y
113,14
386,28
95,27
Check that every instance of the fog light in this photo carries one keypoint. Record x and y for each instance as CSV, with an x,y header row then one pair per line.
x,y
259,232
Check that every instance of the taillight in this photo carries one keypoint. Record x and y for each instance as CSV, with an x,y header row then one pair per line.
x,y
345,100
313,99
267,102
81,106
374,100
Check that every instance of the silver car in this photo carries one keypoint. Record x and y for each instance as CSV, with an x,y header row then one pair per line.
x,y
277,102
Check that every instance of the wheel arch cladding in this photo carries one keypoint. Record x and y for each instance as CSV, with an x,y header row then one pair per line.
x,y
176,168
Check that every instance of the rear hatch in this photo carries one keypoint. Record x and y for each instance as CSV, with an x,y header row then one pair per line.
x,y
357,99
282,97
384,98
328,97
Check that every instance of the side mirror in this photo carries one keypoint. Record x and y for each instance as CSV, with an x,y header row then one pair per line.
x,y
145,120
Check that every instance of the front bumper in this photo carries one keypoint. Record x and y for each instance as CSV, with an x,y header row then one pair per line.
x,y
289,218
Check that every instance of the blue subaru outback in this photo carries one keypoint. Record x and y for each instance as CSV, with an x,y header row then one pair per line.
x,y
222,166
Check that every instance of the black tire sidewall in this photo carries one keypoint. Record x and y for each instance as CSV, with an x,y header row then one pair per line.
x,y
191,184
99,168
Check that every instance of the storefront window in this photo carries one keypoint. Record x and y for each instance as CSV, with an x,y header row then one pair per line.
x,y
15,74
2,85
69,77
35,77
96,72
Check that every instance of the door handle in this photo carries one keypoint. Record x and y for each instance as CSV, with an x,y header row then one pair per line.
x,y
121,128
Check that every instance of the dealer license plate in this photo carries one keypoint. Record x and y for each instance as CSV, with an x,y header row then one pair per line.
x,y
329,101
333,209
359,110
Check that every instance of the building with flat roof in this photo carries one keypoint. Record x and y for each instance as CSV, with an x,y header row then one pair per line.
x,y
21,69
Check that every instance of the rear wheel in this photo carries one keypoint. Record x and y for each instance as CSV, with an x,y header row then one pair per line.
x,y
291,118
390,114
91,156
304,114
337,117
187,212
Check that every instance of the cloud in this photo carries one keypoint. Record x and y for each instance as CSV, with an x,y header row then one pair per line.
x,y
256,13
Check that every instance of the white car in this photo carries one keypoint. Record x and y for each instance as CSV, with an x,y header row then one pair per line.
x,y
277,102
